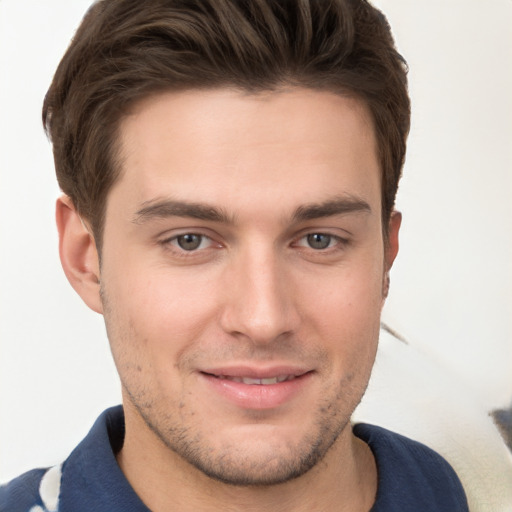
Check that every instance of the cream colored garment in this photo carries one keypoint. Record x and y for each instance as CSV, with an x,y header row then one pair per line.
x,y
414,395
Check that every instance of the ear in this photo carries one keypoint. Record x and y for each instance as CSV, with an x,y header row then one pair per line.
x,y
391,249
78,254
392,245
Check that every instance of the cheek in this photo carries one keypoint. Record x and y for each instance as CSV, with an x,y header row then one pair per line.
x,y
156,315
350,296
343,313
153,293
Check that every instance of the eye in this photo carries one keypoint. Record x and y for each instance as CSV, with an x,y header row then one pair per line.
x,y
320,241
191,241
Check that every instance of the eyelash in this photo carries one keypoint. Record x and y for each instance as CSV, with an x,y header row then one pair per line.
x,y
172,243
338,241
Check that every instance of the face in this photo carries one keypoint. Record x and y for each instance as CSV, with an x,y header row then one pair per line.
x,y
242,276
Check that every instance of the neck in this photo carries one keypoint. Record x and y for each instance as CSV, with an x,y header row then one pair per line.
x,y
345,480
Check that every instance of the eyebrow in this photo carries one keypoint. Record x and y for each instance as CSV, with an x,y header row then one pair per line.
x,y
336,206
172,208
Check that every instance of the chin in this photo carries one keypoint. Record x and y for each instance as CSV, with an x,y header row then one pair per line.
x,y
263,465
255,455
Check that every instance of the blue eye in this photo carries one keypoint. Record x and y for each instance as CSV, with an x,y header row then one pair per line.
x,y
190,241
320,241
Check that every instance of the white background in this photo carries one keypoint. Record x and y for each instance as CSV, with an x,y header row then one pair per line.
x,y
451,285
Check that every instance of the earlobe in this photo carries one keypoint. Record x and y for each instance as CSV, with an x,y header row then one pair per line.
x,y
78,253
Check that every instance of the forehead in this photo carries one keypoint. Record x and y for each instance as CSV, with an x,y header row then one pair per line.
x,y
223,146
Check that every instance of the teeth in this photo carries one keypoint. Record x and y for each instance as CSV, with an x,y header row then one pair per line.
x,y
261,382
249,380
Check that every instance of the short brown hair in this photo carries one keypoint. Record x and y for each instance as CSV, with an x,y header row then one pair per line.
x,y
125,50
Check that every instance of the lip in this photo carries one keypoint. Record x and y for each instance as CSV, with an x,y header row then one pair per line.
x,y
253,395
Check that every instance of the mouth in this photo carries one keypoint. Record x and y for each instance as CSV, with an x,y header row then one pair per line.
x,y
253,388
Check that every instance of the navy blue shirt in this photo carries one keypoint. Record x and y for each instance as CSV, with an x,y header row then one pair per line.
x,y
411,476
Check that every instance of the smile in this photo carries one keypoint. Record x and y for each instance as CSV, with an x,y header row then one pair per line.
x,y
262,389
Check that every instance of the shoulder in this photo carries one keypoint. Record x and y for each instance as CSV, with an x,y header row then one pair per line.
x,y
40,490
88,480
34,491
411,476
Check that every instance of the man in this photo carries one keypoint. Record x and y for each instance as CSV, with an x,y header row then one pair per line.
x,y
229,172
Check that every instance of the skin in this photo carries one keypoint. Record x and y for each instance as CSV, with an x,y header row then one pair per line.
x,y
285,174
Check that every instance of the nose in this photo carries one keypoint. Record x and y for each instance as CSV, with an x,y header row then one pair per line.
x,y
259,298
